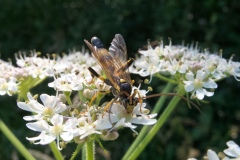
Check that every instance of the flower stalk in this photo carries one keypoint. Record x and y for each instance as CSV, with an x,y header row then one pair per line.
x,y
13,139
76,152
90,150
57,154
145,129
162,119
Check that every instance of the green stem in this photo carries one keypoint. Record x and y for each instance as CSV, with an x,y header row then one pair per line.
x,y
68,98
76,152
165,78
90,150
145,129
57,154
162,119
18,145
81,97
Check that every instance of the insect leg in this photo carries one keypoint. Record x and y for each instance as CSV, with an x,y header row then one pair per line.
x,y
137,100
126,65
95,74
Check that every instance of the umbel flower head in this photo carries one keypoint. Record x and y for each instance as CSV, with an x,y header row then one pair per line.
x,y
197,71
58,118
55,120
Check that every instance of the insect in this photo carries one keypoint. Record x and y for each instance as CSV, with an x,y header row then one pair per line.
x,y
115,65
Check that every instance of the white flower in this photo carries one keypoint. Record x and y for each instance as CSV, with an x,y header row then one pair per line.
x,y
88,126
148,64
125,119
233,68
35,66
176,66
197,84
49,132
233,150
8,87
67,82
51,105
141,93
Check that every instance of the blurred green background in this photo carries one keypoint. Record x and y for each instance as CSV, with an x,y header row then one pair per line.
x,y
59,26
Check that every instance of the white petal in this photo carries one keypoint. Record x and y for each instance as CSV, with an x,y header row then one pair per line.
x,y
144,121
57,119
66,136
35,138
190,76
201,75
103,124
24,106
43,137
38,126
212,155
35,106
47,100
210,84
117,108
138,107
200,93
233,150
122,123
46,139
60,108
231,144
209,94
31,118
189,86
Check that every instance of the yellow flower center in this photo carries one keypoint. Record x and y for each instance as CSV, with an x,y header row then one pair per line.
x,y
47,112
198,83
58,129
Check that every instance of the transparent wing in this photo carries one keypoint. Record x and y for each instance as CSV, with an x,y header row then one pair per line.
x,y
118,48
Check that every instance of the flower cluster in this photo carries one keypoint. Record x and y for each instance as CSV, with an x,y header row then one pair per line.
x,y
232,153
65,120
8,81
197,71
32,70
55,120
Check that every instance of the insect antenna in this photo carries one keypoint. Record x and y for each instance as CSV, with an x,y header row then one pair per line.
x,y
174,94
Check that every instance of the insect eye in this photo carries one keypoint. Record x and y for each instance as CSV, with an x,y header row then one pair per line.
x,y
97,42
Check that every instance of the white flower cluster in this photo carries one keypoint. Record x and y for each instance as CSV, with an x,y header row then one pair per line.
x,y
187,66
55,120
64,120
71,71
8,81
232,153
33,65
33,69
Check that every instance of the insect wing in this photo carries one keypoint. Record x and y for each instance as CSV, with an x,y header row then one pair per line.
x,y
118,50
106,61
